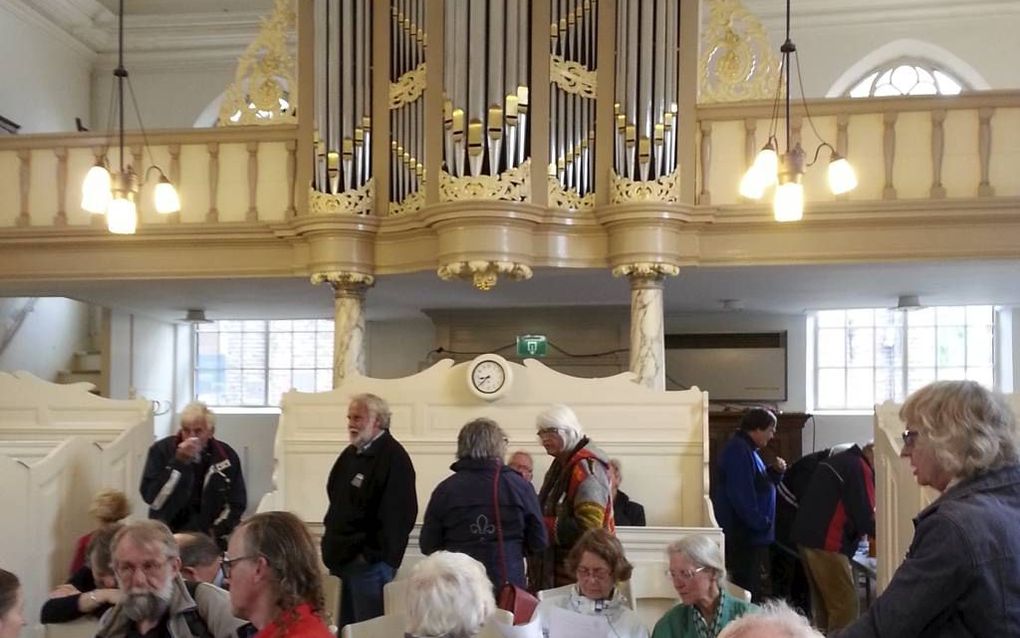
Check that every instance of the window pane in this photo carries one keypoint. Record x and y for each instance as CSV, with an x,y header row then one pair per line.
x,y
208,344
888,384
254,326
952,346
231,344
324,325
860,349
831,347
304,380
253,391
952,374
830,318
982,376
306,325
860,388
304,350
280,350
889,346
208,386
323,380
280,325
324,350
831,389
980,315
921,317
951,315
859,317
229,326
232,389
917,378
254,350
920,347
979,346
279,382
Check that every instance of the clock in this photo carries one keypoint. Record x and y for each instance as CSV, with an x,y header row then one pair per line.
x,y
489,376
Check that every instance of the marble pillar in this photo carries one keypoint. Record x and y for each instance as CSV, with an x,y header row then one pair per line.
x,y
348,321
647,322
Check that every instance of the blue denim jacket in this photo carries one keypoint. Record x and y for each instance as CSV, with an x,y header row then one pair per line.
x,y
961,576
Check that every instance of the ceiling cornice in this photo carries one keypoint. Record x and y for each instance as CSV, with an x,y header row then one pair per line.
x,y
67,29
827,13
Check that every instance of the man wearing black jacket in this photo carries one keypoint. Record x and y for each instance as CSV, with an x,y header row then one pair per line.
x,y
372,507
836,511
192,481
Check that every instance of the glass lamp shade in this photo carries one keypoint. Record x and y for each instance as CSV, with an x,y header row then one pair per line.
x,y
767,164
752,184
167,199
788,205
842,177
95,190
122,216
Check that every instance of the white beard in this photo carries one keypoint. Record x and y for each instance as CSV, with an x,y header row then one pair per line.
x,y
148,605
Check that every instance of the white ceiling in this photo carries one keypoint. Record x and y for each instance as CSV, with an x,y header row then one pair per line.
x,y
771,289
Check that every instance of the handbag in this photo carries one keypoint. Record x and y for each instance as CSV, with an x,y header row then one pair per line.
x,y
516,600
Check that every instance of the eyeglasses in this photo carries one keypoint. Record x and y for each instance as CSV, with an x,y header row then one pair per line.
x,y
598,573
125,571
226,562
910,437
686,574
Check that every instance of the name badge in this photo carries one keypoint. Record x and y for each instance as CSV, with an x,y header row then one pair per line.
x,y
358,479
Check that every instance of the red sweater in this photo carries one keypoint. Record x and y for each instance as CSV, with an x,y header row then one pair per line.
x,y
307,625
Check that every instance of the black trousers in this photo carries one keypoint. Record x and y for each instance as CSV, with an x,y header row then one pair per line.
x,y
749,566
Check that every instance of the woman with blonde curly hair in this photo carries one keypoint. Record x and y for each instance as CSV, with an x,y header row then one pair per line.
x,y
108,507
961,575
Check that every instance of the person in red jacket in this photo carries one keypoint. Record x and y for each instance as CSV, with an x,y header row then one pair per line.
x,y
836,511
273,569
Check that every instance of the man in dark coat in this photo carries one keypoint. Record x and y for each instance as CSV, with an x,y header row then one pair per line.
x,y
193,481
625,511
372,507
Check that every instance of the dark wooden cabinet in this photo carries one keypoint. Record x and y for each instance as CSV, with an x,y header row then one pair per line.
x,y
785,444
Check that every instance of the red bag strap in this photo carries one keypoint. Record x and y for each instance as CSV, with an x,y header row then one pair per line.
x,y
499,524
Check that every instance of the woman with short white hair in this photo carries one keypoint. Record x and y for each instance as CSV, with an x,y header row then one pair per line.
x,y
448,596
961,575
776,619
575,495
698,572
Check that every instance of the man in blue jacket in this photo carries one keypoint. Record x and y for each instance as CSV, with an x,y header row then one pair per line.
x,y
744,499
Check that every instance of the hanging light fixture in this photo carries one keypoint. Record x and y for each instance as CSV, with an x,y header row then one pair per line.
x,y
786,172
116,194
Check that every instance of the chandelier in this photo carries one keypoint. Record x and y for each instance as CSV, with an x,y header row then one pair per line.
x,y
116,194
786,173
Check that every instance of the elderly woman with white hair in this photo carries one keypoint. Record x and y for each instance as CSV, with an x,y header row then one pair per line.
x,y
448,596
776,619
698,572
575,494
961,575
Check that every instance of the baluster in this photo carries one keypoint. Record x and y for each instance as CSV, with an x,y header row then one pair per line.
x,y
24,183
214,181
253,180
138,163
61,217
889,153
175,177
985,188
291,177
705,197
98,221
938,151
750,142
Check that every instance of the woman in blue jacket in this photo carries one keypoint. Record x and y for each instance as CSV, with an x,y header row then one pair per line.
x,y
461,514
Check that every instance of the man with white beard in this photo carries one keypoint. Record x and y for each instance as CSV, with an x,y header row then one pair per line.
x,y
157,603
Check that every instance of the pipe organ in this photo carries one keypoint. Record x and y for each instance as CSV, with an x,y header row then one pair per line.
x,y
483,105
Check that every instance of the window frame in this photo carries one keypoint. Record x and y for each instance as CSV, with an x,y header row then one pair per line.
x,y
902,363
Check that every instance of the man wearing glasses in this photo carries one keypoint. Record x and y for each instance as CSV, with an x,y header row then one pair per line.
x,y
157,603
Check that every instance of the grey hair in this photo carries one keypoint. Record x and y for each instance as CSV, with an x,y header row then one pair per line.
x,y
972,429
197,549
702,551
481,439
562,419
449,594
376,406
146,531
777,618
197,410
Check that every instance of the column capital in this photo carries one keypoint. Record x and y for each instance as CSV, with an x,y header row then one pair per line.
x,y
646,274
345,283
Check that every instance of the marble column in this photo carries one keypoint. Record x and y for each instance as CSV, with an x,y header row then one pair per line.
x,y
348,320
647,323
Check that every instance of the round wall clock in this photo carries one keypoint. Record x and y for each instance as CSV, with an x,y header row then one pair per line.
x,y
489,376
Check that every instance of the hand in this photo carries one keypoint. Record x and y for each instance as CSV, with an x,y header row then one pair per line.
x,y
188,449
64,591
110,596
779,464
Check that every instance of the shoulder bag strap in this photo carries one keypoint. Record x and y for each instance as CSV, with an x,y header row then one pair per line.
x,y
499,524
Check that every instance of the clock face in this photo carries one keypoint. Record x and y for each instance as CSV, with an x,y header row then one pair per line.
x,y
488,376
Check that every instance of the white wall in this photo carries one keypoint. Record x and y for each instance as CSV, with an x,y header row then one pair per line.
x,y
44,72
48,338
141,362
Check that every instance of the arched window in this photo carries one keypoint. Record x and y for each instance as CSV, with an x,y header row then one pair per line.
x,y
907,78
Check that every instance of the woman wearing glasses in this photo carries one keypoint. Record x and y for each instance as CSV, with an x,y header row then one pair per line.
x,y
598,563
698,572
961,575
